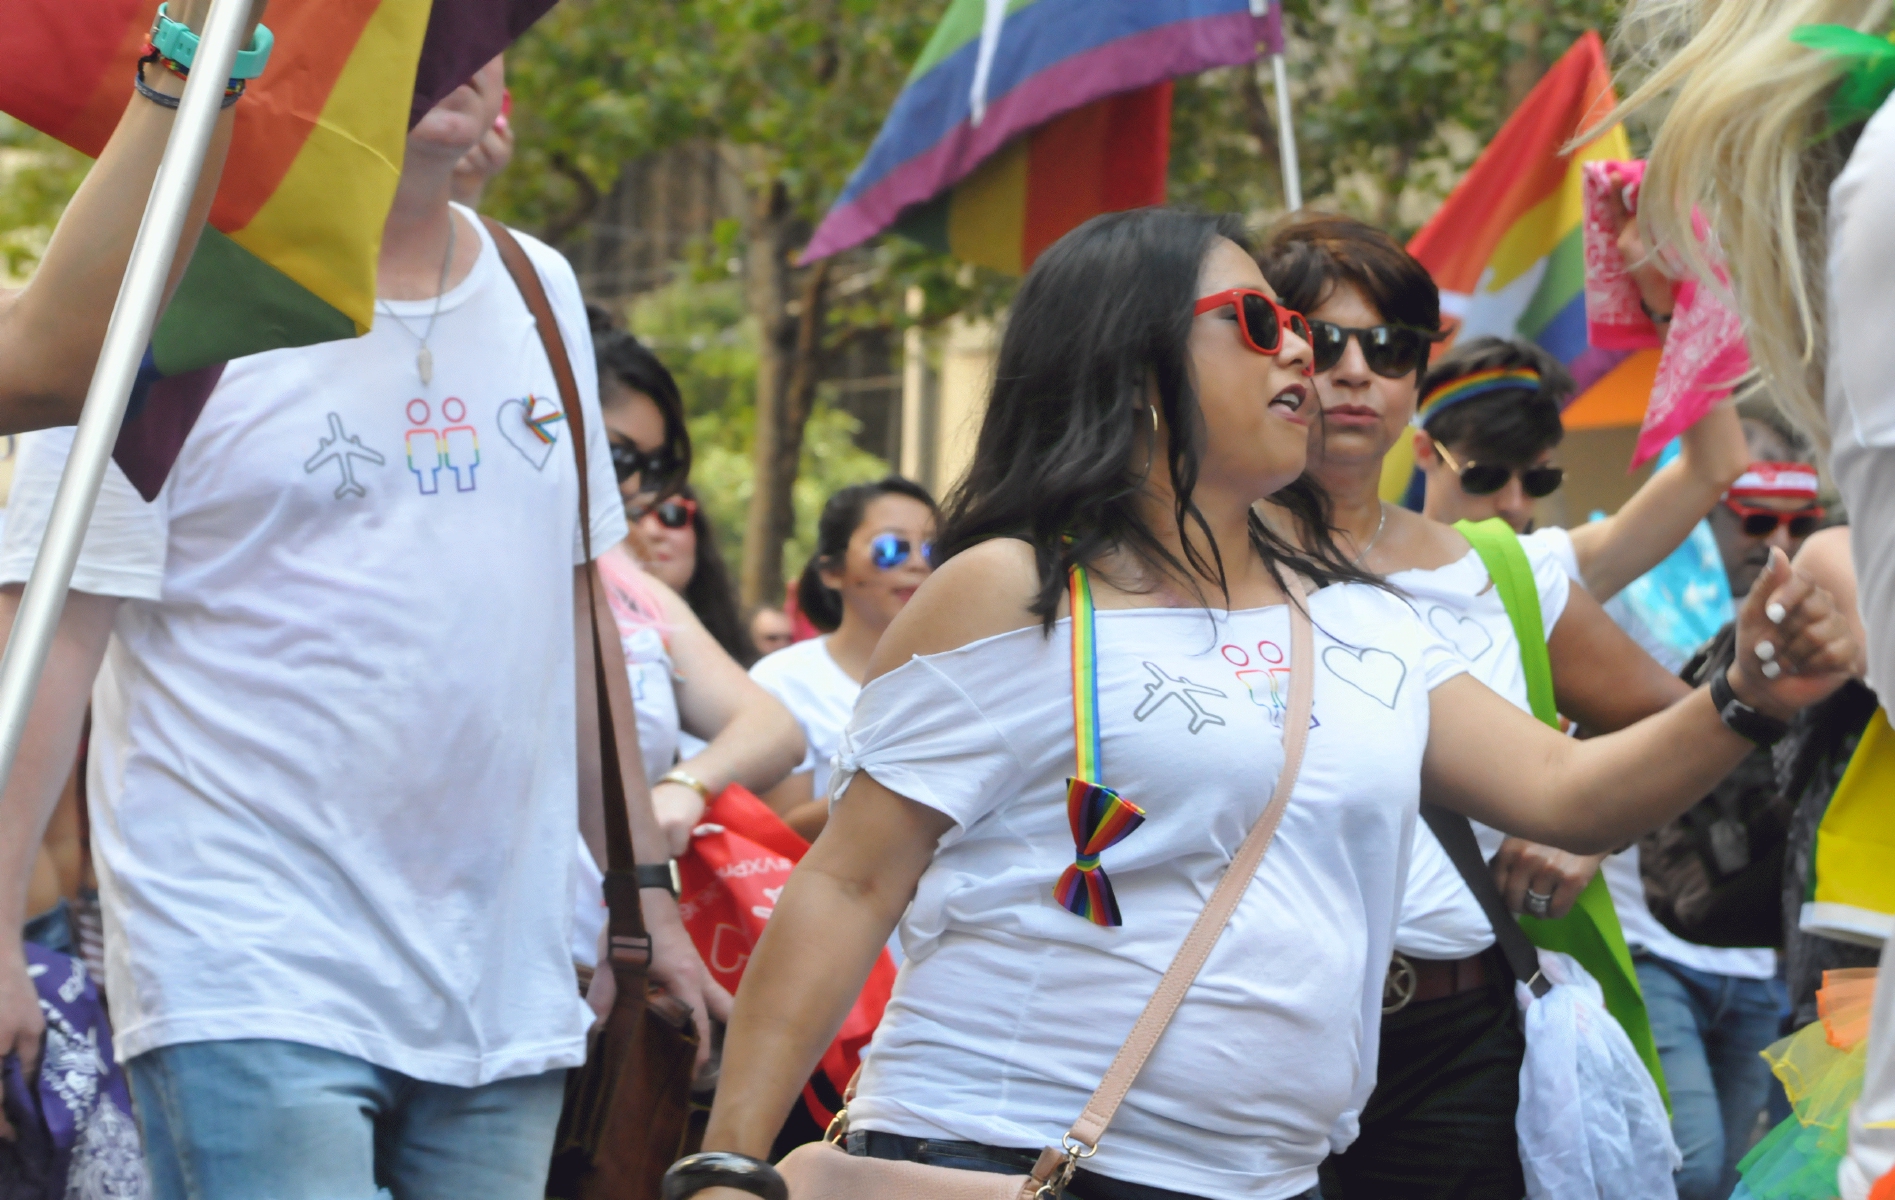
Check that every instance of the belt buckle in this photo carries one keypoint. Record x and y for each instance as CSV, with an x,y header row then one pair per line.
x,y
1398,989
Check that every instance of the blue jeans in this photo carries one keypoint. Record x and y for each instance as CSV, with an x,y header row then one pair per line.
x,y
271,1120
1710,1030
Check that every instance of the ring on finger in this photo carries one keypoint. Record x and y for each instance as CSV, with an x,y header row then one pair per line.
x,y
1539,904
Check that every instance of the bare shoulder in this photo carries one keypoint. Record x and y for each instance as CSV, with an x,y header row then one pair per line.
x,y
980,592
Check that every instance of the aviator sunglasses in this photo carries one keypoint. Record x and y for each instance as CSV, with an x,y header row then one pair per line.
x,y
1390,351
651,466
1762,522
888,551
674,513
1260,320
1484,479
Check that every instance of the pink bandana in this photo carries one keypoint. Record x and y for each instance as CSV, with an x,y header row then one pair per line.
x,y
1704,356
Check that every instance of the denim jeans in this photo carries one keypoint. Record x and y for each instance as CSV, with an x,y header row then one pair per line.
x,y
972,1156
272,1120
1710,1030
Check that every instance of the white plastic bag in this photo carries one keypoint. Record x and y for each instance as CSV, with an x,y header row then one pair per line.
x,y
1591,1123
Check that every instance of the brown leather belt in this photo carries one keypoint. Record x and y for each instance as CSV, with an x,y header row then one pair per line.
x,y
1418,980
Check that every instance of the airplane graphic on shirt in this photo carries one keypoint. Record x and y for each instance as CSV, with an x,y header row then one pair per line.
x,y
343,449
1165,687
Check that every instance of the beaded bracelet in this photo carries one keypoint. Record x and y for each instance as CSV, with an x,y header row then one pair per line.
x,y
232,93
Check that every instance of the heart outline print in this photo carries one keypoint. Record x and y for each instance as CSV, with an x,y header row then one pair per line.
x,y
1377,674
513,419
1463,633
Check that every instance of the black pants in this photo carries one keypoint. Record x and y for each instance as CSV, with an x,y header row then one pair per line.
x,y
971,1156
1441,1121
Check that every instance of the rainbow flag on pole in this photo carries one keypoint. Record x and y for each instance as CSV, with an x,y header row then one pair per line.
x,y
1506,246
289,256
1023,118
1507,250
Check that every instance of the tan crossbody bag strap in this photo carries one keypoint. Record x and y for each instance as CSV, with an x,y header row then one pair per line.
x,y
629,942
1084,1136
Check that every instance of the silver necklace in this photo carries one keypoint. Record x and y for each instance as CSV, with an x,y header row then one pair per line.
x,y
1377,535
424,357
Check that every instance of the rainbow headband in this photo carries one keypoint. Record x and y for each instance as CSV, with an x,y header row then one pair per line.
x,y
1478,384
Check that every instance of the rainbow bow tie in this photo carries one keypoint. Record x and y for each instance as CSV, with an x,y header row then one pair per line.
x,y
1100,820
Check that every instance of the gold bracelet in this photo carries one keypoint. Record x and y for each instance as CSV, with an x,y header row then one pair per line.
x,y
688,780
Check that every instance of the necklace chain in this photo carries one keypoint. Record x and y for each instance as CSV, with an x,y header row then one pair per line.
x,y
424,357
1377,536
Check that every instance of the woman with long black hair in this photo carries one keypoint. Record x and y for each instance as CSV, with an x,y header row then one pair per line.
x,y
1149,390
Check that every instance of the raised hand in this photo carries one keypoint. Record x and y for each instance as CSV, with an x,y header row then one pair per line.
x,y
1794,647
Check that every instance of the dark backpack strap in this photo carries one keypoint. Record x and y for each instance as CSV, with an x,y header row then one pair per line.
x,y
1457,838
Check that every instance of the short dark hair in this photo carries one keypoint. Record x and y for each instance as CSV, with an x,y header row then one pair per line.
x,y
841,517
1308,257
623,357
1512,425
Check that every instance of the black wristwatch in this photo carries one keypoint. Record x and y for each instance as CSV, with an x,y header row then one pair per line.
x,y
663,876
1740,718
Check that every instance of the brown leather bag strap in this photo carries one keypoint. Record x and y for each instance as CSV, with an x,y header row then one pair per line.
x,y
1084,1136
630,945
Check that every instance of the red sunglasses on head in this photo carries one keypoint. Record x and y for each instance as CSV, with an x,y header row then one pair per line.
x,y
1260,319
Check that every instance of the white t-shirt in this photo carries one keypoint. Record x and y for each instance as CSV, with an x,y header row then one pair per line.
x,y
1861,394
1433,924
818,694
1861,407
332,769
1441,919
1009,1008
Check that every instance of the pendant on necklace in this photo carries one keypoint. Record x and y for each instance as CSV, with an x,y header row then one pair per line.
x,y
424,363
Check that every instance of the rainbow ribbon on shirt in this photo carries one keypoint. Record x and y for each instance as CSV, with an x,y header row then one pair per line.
x,y
1100,818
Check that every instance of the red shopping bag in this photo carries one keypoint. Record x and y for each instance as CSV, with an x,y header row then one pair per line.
x,y
739,859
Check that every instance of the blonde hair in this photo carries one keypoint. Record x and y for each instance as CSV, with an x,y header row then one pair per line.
x,y
1745,139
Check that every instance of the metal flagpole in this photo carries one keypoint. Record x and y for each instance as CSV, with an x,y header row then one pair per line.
x,y
1286,136
133,316
1270,12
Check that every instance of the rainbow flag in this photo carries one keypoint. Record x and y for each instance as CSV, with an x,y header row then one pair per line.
x,y
1023,118
289,256
1506,247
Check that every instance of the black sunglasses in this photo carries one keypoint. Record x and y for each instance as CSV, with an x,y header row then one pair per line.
x,y
1484,479
1391,351
651,466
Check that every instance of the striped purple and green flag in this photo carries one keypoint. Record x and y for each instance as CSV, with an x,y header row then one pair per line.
x,y
288,258
986,152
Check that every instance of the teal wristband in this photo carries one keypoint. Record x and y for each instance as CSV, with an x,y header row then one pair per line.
x,y
176,42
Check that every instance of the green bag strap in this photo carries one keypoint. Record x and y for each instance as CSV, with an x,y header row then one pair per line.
x,y
1506,563
1590,932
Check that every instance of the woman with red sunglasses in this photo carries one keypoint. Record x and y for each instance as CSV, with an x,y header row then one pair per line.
x,y
1067,733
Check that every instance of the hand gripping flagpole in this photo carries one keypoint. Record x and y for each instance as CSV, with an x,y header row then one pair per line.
x,y
133,316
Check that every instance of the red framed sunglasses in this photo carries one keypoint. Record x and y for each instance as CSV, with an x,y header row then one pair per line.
x,y
1260,319
1762,522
